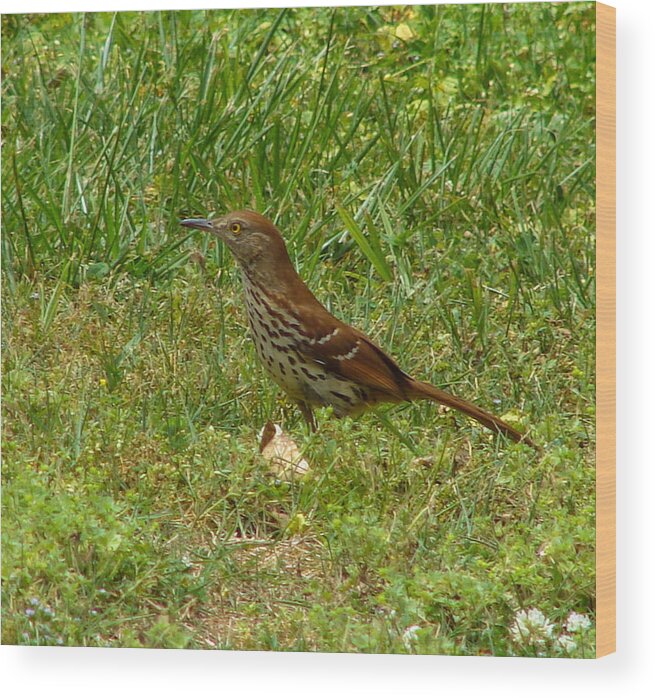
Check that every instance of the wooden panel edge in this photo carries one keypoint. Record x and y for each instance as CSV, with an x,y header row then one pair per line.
x,y
606,330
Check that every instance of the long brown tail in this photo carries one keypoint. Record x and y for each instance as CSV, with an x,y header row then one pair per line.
x,y
424,391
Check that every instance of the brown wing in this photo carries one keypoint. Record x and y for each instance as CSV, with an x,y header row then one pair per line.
x,y
343,350
349,353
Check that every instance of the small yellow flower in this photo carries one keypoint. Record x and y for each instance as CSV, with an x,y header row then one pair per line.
x,y
103,382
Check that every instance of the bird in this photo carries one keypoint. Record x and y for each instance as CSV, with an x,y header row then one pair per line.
x,y
315,358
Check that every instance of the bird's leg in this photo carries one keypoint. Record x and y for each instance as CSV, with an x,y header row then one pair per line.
x,y
308,414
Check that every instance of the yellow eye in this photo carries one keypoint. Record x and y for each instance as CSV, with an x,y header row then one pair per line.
x,y
235,228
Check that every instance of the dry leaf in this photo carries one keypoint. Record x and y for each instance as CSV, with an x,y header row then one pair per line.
x,y
197,258
282,453
403,32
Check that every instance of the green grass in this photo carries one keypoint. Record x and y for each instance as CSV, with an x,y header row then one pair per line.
x,y
433,172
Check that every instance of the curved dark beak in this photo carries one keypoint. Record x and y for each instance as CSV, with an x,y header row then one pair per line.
x,y
199,223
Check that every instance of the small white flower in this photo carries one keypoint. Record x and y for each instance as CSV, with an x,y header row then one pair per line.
x,y
577,621
531,627
566,642
410,635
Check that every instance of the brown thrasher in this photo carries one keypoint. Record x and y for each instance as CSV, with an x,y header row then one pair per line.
x,y
314,357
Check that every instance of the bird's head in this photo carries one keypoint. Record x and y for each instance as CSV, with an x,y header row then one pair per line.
x,y
254,241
